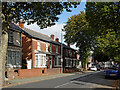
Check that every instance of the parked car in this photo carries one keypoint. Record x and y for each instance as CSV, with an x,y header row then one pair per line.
x,y
93,68
111,72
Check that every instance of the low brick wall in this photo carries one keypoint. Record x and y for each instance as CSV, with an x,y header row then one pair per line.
x,y
35,72
53,71
11,73
71,70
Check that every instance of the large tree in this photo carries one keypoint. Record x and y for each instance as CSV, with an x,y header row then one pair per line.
x,y
78,31
43,13
104,17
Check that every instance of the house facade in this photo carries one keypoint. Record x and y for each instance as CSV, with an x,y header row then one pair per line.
x,y
41,54
14,51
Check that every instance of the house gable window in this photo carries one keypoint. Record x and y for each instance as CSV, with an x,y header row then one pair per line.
x,y
38,45
10,36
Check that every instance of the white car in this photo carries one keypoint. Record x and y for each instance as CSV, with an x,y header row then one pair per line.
x,y
93,68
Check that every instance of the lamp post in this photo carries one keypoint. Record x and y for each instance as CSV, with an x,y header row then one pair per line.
x,y
61,54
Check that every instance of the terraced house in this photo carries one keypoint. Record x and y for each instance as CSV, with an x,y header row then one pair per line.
x,y
41,54
14,51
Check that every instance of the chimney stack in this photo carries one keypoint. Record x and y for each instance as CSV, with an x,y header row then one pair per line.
x,y
68,45
21,24
57,39
52,37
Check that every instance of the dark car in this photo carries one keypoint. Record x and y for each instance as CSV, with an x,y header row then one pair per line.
x,y
112,72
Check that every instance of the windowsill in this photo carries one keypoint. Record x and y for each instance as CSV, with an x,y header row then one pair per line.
x,y
41,67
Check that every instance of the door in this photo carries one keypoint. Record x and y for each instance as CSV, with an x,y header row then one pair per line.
x,y
50,62
28,64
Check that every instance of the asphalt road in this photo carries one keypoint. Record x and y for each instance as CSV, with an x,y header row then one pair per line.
x,y
91,81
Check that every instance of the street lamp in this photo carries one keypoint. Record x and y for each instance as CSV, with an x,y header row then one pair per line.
x,y
61,54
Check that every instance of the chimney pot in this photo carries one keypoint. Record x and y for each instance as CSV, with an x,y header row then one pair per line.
x,y
57,39
52,37
68,45
21,24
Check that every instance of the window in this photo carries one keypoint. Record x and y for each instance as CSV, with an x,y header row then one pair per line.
x,y
40,60
13,59
74,62
38,45
46,47
56,49
10,36
66,51
57,61
50,47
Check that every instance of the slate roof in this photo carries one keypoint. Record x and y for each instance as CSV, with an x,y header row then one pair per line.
x,y
15,27
43,37
37,35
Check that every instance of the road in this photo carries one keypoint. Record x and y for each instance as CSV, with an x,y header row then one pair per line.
x,y
88,81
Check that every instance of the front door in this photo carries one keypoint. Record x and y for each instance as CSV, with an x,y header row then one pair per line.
x,y
50,62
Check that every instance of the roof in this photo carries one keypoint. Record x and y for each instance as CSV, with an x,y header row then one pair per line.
x,y
38,35
15,27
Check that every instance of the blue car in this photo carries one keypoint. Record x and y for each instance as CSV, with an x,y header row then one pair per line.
x,y
112,72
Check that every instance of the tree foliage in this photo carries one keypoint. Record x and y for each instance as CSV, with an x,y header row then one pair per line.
x,y
97,29
104,17
80,33
44,13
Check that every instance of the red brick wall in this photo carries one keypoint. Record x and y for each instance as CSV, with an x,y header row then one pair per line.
x,y
26,47
35,72
53,71
43,46
34,47
53,48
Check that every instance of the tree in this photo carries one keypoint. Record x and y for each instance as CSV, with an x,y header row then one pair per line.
x,y
104,17
78,31
108,45
44,13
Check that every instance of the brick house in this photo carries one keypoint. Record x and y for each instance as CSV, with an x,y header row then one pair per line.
x,y
14,53
41,54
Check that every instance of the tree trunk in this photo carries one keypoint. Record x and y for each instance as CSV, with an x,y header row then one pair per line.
x,y
4,44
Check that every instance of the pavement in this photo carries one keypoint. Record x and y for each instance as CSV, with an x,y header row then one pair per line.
x,y
15,82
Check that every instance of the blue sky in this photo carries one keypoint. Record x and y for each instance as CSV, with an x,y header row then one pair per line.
x,y
65,15
56,29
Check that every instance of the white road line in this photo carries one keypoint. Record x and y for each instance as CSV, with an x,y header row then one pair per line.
x,y
72,81
62,84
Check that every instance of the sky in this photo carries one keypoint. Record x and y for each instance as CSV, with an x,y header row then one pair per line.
x,y
56,29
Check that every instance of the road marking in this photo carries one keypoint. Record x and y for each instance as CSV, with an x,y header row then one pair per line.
x,y
62,85
74,81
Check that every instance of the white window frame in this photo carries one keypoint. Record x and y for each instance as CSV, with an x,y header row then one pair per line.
x,y
46,47
41,61
38,46
56,49
57,61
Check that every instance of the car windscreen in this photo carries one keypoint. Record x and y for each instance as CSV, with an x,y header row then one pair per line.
x,y
112,68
